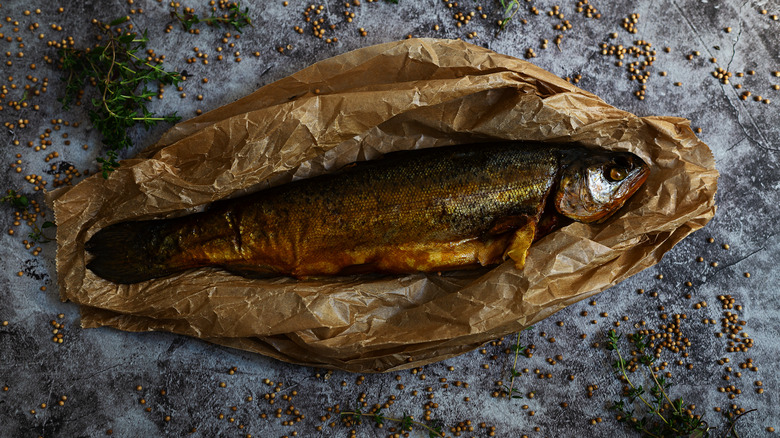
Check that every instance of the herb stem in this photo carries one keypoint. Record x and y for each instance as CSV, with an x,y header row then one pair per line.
x,y
151,119
666,396
514,365
405,420
107,81
622,368
513,6
143,61
734,422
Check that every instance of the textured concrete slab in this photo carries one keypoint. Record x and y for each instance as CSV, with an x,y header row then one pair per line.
x,y
102,381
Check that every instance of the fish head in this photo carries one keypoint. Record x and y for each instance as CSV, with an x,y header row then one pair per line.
x,y
595,184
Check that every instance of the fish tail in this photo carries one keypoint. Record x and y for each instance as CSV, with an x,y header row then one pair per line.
x,y
129,252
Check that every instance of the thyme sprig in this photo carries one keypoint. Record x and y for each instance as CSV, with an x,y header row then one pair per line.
x,y
664,417
26,208
232,17
509,390
407,422
509,8
117,70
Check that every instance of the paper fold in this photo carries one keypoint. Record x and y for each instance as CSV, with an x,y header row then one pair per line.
x,y
416,93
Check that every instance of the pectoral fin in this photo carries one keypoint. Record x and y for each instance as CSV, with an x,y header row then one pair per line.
x,y
521,241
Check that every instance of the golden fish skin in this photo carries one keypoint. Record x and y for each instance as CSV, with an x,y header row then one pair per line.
x,y
426,210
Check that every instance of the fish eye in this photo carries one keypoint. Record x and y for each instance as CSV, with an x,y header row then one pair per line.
x,y
617,174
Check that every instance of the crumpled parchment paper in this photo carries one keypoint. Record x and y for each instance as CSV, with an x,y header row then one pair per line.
x,y
415,93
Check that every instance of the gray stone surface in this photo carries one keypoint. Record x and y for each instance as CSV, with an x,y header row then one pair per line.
x,y
99,370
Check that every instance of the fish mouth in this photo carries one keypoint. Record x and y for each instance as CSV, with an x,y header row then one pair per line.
x,y
636,178
644,173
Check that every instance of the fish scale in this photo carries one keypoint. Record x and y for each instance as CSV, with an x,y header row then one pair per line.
x,y
428,210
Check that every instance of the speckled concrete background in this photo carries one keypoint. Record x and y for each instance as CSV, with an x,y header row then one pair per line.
x,y
102,381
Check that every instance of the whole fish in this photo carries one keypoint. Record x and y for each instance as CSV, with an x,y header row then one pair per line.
x,y
426,210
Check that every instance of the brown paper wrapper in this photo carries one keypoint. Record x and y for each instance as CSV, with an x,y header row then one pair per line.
x,y
418,93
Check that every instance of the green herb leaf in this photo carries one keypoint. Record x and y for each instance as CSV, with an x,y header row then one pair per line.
x,y
509,9
406,422
663,417
119,20
234,17
117,73
23,205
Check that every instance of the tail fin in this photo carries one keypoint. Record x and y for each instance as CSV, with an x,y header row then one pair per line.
x,y
128,252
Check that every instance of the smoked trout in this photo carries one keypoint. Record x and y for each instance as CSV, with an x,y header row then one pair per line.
x,y
427,210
